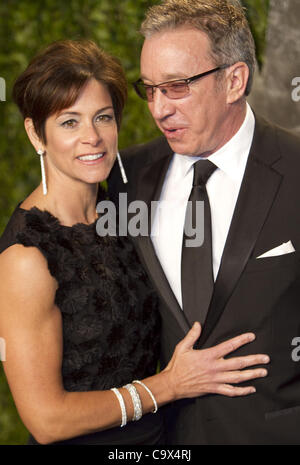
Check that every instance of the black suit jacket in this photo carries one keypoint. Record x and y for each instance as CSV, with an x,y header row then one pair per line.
x,y
250,294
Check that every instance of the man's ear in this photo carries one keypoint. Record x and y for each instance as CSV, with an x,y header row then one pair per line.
x,y
237,79
32,135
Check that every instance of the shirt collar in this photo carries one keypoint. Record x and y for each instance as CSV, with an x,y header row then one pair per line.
x,y
232,157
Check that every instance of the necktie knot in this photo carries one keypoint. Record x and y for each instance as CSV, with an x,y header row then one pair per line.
x,y
203,169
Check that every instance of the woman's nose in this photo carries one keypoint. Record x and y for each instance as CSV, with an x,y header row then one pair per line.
x,y
90,134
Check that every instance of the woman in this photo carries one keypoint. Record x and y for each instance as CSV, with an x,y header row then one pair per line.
x,y
77,313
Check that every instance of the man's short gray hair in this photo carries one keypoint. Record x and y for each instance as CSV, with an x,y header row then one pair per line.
x,y
224,22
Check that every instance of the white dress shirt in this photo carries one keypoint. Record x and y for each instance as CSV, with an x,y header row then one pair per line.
x,y
222,188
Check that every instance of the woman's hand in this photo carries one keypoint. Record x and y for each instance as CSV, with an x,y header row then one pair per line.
x,y
193,373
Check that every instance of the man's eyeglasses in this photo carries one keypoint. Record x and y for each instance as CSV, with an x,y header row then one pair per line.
x,y
171,89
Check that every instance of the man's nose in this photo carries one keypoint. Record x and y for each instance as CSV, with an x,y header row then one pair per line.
x,y
161,107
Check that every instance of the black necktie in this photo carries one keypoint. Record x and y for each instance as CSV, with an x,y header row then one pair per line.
x,y
196,262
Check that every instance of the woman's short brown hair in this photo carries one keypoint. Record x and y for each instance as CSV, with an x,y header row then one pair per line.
x,y
54,79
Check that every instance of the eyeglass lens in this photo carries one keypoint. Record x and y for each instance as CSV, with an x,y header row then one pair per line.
x,y
172,90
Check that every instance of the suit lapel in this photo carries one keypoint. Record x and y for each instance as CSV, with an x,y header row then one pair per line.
x,y
149,186
258,191
151,262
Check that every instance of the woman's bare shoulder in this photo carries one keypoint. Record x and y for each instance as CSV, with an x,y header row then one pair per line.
x,y
18,257
24,268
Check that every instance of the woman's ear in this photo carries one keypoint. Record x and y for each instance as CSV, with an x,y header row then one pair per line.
x,y
32,135
237,79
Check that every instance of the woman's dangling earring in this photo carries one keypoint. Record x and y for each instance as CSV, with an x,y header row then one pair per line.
x,y
124,177
41,153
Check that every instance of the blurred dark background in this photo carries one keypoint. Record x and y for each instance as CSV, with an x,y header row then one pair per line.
x,y
26,26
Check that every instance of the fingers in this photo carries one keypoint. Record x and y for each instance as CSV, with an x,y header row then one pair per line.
x,y
233,391
238,363
191,337
233,344
234,377
221,384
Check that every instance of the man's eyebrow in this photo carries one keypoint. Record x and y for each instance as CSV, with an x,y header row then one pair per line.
x,y
167,77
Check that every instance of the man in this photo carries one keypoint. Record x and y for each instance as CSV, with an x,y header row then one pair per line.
x,y
197,67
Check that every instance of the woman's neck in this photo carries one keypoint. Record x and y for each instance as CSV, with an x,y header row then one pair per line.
x,y
72,206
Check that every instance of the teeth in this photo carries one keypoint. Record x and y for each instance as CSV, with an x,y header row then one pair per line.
x,y
91,157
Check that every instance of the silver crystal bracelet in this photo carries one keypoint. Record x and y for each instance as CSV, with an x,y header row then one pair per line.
x,y
137,405
122,405
149,392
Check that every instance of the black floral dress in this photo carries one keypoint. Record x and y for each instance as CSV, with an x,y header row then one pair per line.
x,y
109,312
